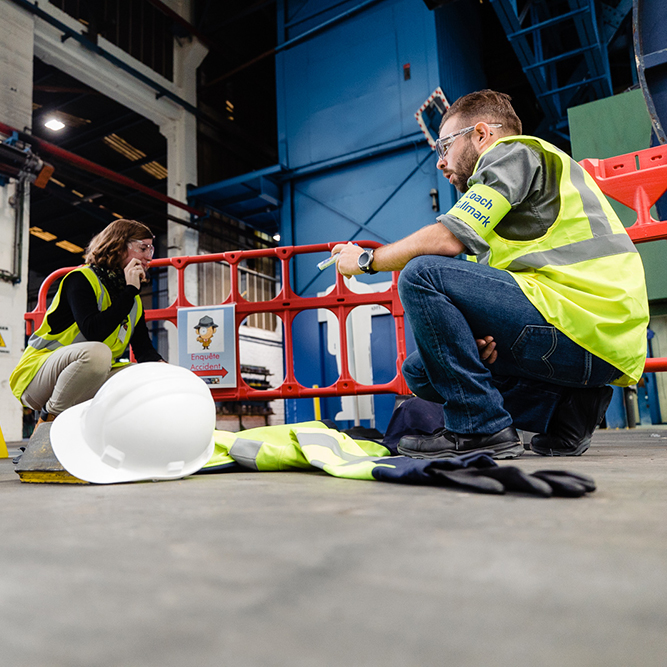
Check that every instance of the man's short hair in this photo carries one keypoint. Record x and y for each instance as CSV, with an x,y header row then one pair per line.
x,y
487,106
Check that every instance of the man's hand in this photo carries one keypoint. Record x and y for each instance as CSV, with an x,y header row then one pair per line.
x,y
348,258
487,349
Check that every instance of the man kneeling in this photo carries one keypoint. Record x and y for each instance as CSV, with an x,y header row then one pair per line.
x,y
551,310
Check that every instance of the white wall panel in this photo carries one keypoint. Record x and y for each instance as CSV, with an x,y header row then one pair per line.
x,y
16,46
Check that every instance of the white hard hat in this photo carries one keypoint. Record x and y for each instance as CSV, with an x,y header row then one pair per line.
x,y
149,421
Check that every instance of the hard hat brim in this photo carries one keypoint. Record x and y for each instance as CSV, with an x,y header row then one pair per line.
x,y
76,456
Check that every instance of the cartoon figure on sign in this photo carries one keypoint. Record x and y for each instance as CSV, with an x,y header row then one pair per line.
x,y
205,329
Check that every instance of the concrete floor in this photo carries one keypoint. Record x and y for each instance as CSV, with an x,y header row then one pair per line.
x,y
302,569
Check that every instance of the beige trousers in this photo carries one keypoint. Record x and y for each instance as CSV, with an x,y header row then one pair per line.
x,y
71,375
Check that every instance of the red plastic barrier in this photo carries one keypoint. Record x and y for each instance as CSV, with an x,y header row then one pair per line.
x,y
637,180
285,305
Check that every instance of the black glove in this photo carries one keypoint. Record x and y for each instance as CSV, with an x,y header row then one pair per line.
x,y
566,484
500,479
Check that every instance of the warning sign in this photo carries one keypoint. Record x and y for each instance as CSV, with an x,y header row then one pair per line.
x,y
5,340
207,343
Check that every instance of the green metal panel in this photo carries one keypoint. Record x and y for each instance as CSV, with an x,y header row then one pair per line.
x,y
614,126
609,127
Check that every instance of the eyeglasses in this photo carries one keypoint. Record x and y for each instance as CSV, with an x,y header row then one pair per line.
x,y
143,248
442,145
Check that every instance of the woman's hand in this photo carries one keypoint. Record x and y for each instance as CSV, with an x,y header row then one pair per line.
x,y
134,273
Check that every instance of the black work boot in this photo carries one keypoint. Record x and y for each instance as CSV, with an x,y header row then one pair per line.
x,y
443,444
571,428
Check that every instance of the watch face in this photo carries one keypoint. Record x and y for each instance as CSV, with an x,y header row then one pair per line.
x,y
364,260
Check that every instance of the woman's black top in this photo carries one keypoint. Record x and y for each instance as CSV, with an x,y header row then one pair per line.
x,y
79,304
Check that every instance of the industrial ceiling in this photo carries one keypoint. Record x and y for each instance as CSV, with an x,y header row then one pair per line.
x,y
76,204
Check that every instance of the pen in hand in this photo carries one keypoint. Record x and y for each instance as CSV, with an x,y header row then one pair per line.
x,y
327,262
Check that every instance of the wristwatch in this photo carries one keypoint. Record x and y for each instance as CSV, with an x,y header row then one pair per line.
x,y
366,260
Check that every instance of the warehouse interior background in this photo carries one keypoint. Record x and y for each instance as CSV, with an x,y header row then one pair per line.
x,y
251,124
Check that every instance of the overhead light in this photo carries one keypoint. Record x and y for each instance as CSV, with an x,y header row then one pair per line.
x,y
155,169
41,234
54,124
70,247
123,147
276,237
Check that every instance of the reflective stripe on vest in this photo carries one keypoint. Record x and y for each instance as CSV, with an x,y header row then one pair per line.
x,y
245,452
614,244
52,344
336,453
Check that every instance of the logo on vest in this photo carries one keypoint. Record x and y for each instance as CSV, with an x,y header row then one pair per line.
x,y
472,203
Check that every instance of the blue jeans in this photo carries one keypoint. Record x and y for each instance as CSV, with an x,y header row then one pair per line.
x,y
450,303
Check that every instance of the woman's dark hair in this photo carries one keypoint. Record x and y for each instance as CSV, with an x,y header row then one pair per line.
x,y
487,106
108,248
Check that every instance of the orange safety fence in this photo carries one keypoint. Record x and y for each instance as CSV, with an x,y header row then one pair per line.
x,y
286,305
636,180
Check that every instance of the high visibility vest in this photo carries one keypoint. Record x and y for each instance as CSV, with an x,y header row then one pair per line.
x,y
43,343
583,274
311,445
302,446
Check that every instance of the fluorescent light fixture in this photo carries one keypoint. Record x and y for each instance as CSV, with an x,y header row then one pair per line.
x,y
70,247
41,234
155,169
123,147
54,124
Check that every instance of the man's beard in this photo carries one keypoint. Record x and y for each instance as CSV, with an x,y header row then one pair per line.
x,y
467,162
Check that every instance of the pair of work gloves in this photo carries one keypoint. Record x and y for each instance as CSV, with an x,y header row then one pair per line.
x,y
478,472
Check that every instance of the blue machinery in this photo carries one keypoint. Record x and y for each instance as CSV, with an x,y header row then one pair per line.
x,y
353,163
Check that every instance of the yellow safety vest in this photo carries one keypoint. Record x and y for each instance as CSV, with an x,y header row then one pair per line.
x,y
43,343
306,445
584,274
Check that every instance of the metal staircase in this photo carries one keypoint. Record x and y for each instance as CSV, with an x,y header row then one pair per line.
x,y
562,47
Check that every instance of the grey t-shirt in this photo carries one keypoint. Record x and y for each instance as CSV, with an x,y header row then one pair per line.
x,y
528,178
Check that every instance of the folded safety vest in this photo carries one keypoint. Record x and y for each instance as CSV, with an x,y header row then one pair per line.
x,y
312,445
